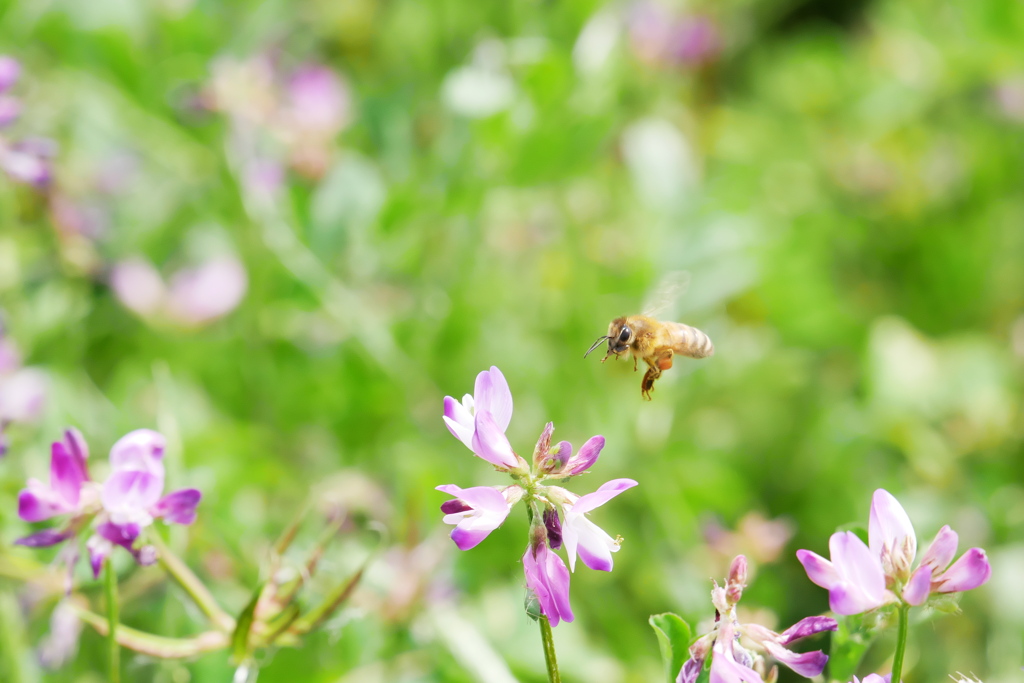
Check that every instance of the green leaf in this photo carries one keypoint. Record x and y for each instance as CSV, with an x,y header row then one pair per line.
x,y
674,640
850,642
243,627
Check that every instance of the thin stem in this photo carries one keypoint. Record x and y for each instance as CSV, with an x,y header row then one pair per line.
x,y
549,650
195,588
113,649
901,643
153,645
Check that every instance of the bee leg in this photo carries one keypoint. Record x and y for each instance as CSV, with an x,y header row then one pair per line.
x,y
634,363
647,385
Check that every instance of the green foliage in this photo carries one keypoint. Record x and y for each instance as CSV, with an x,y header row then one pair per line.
x,y
673,639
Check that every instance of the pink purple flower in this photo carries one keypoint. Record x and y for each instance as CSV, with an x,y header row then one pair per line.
x,y
580,535
120,509
860,578
482,417
548,579
477,511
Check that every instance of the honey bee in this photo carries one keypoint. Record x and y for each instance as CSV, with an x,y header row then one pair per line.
x,y
655,342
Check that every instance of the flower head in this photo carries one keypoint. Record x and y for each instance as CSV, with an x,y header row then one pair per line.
x,y
119,509
863,577
482,417
548,579
477,511
731,662
594,545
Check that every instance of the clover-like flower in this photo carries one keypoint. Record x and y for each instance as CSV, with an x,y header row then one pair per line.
x,y
119,509
479,421
731,662
863,577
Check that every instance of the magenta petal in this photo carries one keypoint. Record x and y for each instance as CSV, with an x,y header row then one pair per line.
x,y
98,549
459,421
490,442
820,571
467,539
141,450
548,578
76,445
807,664
586,457
38,502
178,507
807,626
453,506
123,535
44,538
942,550
66,474
970,571
889,525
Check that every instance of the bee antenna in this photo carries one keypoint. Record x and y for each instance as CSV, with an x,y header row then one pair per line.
x,y
596,344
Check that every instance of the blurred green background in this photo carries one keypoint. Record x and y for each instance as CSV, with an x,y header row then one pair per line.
x,y
840,184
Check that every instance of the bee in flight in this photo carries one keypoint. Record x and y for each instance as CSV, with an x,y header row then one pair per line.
x,y
655,342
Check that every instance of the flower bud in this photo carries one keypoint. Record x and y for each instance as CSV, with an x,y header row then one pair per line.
x,y
737,580
554,527
540,451
719,599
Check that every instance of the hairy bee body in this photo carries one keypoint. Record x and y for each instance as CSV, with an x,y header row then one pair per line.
x,y
655,342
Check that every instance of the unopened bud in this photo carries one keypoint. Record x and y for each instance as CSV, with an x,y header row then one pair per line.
x,y
737,580
719,599
554,527
540,451
773,674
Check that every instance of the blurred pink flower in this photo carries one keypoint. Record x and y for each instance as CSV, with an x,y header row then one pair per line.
x,y
196,296
22,390
660,36
10,69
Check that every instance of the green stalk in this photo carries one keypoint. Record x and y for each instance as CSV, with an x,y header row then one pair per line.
x,y
549,650
113,649
901,643
195,588
152,645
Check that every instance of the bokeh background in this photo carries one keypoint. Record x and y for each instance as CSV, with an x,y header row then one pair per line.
x,y
281,232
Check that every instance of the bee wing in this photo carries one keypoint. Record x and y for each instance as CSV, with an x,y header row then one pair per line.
x,y
662,298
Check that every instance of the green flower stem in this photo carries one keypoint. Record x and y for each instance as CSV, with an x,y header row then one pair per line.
x,y
113,649
901,643
195,588
159,647
549,650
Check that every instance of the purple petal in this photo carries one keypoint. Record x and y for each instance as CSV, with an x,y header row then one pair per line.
x,y
807,664
491,393
453,506
76,445
477,497
586,457
970,571
846,598
141,450
10,69
123,535
725,669
38,502
467,539
66,474
820,571
487,510
942,550
807,626
554,528
548,579
44,538
99,548
920,584
178,507
595,557
889,525
602,495
490,442
690,671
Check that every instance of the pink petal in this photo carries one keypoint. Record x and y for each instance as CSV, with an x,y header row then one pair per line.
x,y
141,450
807,626
209,291
491,393
38,502
919,586
66,474
128,495
138,286
820,571
725,669
602,495
807,664
459,421
490,442
10,69
970,571
586,457
548,579
889,525
941,551
43,539
178,507
858,565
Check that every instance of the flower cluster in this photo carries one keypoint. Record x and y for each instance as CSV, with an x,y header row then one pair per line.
x,y
27,160
557,515
863,577
119,509
734,662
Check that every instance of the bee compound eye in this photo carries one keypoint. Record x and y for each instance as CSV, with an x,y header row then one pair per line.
x,y
624,335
